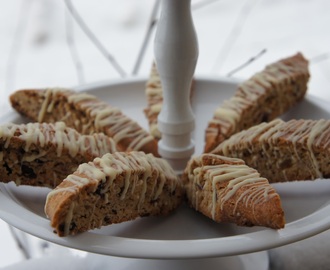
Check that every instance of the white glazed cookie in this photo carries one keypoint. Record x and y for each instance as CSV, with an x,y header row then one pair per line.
x,y
283,151
154,95
42,154
86,113
262,98
227,190
112,189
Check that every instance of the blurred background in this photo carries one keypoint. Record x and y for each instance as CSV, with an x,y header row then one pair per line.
x,y
42,45
48,43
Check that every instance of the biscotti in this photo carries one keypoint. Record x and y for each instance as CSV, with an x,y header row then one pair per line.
x,y
112,189
262,98
283,151
86,113
42,154
154,95
227,190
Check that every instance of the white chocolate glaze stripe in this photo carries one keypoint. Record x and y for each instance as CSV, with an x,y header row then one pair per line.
x,y
57,134
234,177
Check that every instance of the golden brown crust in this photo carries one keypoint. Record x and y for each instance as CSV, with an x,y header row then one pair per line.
x,y
262,98
283,151
42,154
226,190
86,114
115,188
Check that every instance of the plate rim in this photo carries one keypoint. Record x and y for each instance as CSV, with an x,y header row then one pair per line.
x,y
300,229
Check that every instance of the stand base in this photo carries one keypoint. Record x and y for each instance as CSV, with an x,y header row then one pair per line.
x,y
88,261
256,261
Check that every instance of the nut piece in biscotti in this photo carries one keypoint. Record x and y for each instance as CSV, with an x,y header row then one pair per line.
x,y
112,189
42,154
283,151
86,113
154,94
227,190
262,98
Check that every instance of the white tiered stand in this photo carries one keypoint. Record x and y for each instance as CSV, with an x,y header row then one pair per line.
x,y
185,239
176,53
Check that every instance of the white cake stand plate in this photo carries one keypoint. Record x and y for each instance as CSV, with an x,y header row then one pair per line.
x,y
185,239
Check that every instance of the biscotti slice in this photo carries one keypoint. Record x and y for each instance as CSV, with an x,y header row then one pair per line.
x,y
227,190
112,189
154,95
86,113
42,154
262,98
283,151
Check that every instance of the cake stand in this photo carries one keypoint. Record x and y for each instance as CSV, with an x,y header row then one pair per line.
x,y
185,237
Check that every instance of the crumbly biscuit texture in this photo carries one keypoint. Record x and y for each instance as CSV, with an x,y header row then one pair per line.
x,y
43,154
112,189
227,190
262,98
283,151
86,113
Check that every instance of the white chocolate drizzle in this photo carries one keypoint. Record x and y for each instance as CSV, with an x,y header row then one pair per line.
x,y
273,81
103,118
49,102
134,167
234,177
41,134
299,134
